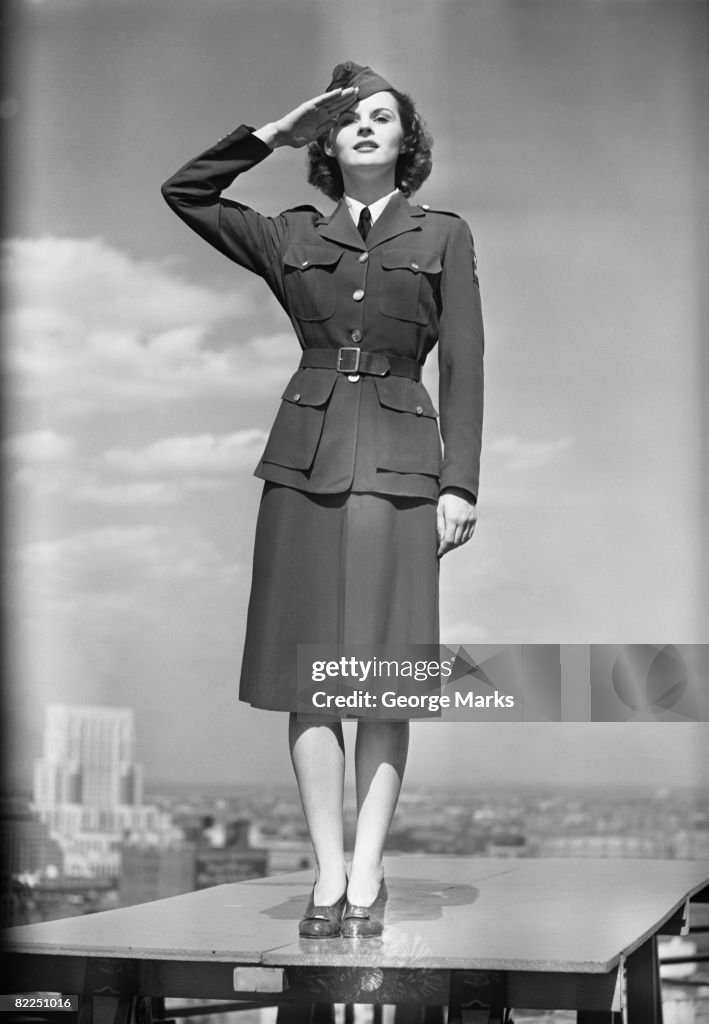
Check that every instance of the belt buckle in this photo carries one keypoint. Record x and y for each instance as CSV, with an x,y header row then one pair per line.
x,y
351,371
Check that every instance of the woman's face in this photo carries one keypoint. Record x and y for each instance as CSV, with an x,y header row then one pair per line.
x,y
368,136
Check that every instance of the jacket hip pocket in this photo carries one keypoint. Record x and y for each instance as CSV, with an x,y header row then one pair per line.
x,y
409,282
408,437
309,272
296,431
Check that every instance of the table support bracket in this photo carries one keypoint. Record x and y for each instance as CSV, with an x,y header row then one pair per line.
x,y
643,993
476,997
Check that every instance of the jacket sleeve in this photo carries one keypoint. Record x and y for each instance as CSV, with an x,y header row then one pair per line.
x,y
460,361
194,193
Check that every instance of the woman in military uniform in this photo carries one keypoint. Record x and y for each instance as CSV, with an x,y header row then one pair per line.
x,y
359,501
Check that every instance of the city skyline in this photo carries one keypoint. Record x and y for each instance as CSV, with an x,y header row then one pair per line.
x,y
625,755
88,788
88,760
259,830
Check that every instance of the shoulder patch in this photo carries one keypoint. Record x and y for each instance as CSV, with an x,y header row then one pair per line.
x,y
447,213
303,209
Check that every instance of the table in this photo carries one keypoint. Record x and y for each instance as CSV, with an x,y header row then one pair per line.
x,y
477,935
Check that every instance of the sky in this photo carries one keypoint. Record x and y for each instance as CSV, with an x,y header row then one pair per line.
x,y
144,369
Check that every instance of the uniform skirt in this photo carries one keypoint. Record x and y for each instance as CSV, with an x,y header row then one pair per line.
x,y
350,568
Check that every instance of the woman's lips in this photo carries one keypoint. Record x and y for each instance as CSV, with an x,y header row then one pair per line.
x,y
366,145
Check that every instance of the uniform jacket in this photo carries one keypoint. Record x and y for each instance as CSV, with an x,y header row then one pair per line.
x,y
411,285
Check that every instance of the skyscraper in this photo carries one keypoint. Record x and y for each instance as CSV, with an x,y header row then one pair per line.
x,y
88,786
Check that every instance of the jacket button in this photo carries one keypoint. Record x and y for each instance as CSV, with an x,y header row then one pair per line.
x,y
296,396
356,337
414,266
305,263
363,257
358,294
419,410
425,206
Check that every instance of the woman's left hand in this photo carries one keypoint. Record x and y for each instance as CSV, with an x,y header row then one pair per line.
x,y
457,516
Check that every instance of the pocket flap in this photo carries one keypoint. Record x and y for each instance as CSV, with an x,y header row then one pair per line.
x,y
404,395
304,255
417,261
310,387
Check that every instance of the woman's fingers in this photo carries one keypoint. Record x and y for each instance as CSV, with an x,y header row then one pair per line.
x,y
336,96
333,103
338,100
440,526
446,531
456,520
467,532
307,121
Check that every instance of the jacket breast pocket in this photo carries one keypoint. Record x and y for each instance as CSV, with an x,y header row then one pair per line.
x,y
408,438
410,280
310,279
296,431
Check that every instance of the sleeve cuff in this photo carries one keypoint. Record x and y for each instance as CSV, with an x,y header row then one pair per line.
x,y
462,492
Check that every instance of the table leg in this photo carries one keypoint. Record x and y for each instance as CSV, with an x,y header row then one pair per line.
x,y
480,1017
305,1013
433,1015
323,1013
476,998
643,993
105,1009
408,1013
414,1013
294,1013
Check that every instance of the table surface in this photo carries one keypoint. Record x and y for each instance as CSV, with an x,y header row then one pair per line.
x,y
562,915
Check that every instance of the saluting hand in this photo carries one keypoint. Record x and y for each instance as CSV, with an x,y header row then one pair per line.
x,y
457,517
308,121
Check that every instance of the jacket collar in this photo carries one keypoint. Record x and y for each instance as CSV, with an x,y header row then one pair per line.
x,y
397,218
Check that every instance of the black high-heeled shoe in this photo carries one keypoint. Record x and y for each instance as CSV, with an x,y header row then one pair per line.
x,y
322,922
365,922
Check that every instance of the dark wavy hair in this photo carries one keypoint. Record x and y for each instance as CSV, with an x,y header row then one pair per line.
x,y
412,167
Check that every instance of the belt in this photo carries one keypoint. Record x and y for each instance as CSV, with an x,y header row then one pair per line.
x,y
354,360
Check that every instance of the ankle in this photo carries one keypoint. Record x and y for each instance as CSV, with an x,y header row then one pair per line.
x,y
364,884
330,883
326,872
371,872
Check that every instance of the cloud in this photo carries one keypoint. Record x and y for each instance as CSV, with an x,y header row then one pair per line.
x,y
113,562
58,3
39,448
462,631
160,473
87,278
204,454
516,454
125,610
91,326
170,468
42,460
273,356
97,491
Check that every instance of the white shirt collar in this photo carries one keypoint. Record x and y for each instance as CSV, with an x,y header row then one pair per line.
x,y
376,208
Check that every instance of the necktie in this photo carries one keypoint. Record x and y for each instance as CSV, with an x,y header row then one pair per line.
x,y
364,223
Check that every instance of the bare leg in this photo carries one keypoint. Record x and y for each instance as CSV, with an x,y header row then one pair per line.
x,y
318,756
380,760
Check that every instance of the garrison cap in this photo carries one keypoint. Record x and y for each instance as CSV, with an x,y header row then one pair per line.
x,y
351,74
